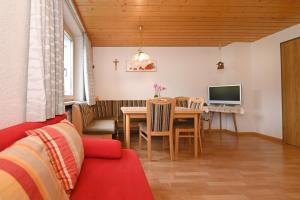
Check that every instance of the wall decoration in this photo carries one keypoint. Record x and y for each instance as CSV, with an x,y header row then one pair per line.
x,y
116,61
220,64
150,66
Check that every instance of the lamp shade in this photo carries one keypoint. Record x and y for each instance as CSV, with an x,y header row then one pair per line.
x,y
140,56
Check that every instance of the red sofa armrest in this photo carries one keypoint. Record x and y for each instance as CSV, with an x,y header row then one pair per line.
x,y
101,148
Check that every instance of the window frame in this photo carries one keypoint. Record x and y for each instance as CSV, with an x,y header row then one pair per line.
x,y
69,35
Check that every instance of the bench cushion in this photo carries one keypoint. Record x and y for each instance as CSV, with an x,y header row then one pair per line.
x,y
100,127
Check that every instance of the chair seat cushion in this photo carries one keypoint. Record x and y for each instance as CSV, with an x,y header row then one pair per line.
x,y
100,127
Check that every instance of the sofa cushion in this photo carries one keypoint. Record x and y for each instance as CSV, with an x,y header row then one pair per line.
x,y
101,148
9,135
112,179
100,127
64,146
26,172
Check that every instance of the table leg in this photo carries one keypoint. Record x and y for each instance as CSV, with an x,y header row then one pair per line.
x,y
124,128
196,122
220,114
234,122
210,118
200,127
127,131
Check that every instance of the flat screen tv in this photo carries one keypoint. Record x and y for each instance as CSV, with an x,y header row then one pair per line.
x,y
225,94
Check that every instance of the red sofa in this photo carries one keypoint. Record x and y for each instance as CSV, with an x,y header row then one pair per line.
x,y
108,172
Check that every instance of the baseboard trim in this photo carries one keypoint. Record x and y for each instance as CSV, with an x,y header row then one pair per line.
x,y
260,135
268,137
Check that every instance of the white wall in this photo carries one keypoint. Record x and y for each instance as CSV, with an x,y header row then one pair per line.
x,y
14,22
188,72
185,71
267,81
238,69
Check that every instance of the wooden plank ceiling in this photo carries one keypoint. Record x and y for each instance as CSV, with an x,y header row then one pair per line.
x,y
184,22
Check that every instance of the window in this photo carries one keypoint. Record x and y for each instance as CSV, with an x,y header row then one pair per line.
x,y
68,66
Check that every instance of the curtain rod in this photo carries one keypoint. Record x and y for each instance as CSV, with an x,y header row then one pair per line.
x,y
75,14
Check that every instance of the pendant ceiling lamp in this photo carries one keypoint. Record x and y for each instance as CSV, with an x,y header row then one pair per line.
x,y
141,58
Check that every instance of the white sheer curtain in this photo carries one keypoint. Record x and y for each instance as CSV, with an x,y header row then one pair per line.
x,y
45,83
88,72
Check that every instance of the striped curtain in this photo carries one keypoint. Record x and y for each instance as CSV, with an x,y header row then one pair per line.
x,y
88,72
45,81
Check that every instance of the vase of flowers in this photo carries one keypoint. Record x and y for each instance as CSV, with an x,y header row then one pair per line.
x,y
158,89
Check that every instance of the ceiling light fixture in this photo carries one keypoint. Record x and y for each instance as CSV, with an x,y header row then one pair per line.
x,y
141,58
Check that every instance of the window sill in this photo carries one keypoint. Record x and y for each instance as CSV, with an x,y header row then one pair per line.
x,y
69,103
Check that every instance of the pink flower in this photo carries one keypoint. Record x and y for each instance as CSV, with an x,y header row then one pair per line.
x,y
159,88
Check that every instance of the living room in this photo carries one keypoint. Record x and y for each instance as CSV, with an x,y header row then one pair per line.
x,y
248,150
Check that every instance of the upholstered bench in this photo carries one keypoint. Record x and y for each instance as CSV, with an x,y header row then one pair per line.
x,y
103,119
85,120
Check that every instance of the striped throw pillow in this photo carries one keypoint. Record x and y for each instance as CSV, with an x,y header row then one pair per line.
x,y
65,149
26,172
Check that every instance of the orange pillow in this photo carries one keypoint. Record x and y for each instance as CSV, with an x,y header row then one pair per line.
x,y
64,146
26,172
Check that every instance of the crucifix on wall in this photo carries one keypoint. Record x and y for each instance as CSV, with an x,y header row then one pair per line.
x,y
116,61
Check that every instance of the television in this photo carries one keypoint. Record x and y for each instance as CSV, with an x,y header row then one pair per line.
x,y
225,94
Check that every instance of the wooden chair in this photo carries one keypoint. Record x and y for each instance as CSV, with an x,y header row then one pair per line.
x,y
160,114
185,129
182,101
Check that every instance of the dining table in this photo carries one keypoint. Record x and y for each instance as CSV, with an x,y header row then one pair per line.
x,y
180,113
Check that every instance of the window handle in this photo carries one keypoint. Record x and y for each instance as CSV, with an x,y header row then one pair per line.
x,y
65,72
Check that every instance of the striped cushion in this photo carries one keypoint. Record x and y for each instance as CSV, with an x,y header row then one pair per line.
x,y
182,103
65,149
26,172
160,117
88,113
195,105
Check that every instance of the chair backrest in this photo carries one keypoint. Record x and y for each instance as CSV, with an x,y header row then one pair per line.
x,y
160,114
196,103
182,101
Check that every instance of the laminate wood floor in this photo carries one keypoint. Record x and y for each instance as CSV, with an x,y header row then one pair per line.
x,y
249,167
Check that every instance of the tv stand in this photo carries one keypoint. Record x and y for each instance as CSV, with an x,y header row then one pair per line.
x,y
232,110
